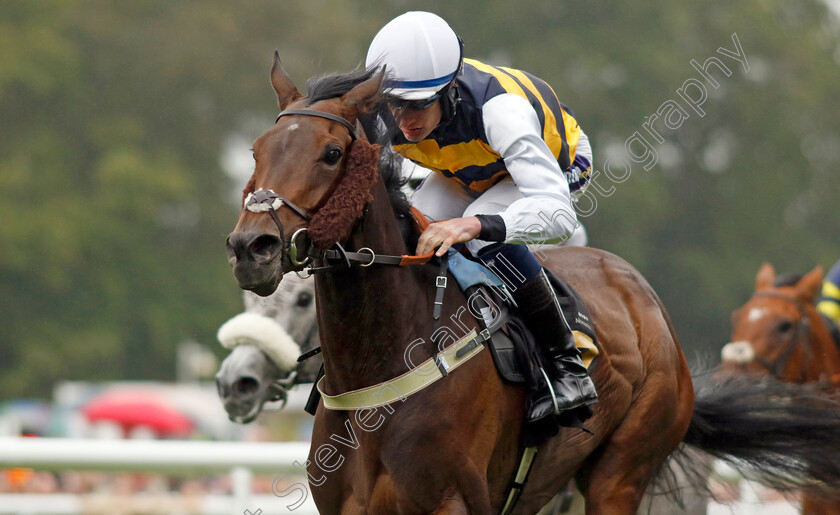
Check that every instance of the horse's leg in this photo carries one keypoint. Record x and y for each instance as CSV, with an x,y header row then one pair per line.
x,y
656,423
454,506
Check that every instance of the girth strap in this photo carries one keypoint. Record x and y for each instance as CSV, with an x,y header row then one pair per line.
x,y
519,479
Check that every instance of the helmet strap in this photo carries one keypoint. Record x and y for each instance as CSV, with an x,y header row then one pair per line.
x,y
450,98
449,101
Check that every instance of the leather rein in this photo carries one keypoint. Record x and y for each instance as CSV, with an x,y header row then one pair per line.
x,y
266,200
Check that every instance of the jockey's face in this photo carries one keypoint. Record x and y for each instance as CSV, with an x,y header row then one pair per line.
x,y
417,124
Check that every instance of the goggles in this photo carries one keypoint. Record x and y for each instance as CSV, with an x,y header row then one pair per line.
x,y
399,104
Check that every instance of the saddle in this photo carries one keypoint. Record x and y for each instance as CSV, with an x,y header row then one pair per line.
x,y
513,347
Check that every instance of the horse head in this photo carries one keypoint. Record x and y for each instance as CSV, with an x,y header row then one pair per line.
x,y
252,374
779,332
245,382
313,175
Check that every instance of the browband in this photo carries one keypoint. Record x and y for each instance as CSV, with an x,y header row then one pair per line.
x,y
311,112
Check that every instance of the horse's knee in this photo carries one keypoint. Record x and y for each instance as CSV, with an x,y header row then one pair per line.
x,y
452,506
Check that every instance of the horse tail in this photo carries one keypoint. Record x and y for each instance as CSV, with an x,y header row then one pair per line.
x,y
786,436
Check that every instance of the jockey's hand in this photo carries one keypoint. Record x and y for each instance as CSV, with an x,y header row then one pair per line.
x,y
447,233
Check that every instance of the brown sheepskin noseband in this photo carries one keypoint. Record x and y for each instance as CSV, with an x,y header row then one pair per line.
x,y
334,221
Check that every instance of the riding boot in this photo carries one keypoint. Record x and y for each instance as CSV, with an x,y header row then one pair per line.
x,y
568,382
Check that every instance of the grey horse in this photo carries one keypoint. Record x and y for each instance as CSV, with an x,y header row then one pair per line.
x,y
265,342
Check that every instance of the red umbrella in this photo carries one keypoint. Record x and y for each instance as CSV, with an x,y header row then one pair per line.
x,y
132,408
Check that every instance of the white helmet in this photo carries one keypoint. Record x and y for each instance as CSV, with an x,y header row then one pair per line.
x,y
421,54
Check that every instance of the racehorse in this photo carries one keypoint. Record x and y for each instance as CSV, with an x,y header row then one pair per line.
x,y
780,333
320,187
249,376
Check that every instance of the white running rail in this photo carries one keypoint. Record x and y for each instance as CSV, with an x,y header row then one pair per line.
x,y
175,457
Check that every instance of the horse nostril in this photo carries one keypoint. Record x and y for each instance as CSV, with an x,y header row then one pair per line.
x,y
245,385
265,246
221,388
236,246
242,246
231,249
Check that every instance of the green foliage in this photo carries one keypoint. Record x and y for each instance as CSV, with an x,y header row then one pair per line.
x,y
114,206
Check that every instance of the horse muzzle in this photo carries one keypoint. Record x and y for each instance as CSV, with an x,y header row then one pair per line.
x,y
260,260
257,259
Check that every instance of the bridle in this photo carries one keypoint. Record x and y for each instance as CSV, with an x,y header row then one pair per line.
x,y
266,200
775,366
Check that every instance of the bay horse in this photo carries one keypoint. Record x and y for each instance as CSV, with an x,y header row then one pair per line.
x,y
320,187
780,333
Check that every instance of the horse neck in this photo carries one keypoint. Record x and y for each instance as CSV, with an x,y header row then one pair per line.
x,y
368,316
824,355
816,357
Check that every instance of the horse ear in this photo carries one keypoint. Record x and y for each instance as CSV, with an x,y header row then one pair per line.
x,y
364,97
766,276
808,287
283,85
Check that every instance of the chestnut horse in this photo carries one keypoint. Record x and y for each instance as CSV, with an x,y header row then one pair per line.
x,y
780,333
452,447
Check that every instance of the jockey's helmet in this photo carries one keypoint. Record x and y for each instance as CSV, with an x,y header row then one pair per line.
x,y
421,55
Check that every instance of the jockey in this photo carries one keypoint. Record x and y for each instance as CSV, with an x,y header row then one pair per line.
x,y
829,303
506,153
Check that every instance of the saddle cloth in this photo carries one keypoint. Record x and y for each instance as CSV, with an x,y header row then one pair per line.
x,y
512,345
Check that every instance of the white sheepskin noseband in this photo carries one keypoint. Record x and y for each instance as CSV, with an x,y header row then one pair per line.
x,y
263,332
263,206
739,353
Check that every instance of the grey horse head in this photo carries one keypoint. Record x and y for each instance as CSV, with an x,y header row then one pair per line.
x,y
266,340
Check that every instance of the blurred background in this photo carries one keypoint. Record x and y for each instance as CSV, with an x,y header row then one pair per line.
x,y
126,127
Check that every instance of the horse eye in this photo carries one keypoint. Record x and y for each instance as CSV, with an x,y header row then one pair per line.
x,y
785,326
332,156
304,299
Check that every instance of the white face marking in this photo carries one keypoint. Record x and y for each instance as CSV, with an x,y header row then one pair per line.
x,y
292,127
755,314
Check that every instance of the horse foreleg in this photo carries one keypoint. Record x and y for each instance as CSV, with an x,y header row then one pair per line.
x,y
473,497
454,506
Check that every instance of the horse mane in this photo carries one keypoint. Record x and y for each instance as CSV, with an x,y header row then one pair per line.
x,y
324,87
787,280
378,125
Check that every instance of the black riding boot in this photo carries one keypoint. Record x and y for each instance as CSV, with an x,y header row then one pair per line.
x,y
569,385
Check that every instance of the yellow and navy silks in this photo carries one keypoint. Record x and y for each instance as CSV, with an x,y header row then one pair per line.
x,y
459,149
829,303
